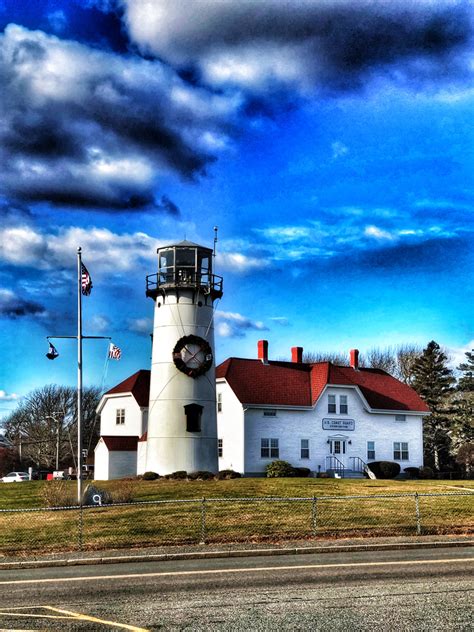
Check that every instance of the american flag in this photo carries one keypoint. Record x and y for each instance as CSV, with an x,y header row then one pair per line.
x,y
114,352
86,281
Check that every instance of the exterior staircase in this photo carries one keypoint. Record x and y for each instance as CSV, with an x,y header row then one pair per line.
x,y
336,469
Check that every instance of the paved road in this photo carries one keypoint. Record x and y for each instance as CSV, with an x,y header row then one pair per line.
x,y
396,590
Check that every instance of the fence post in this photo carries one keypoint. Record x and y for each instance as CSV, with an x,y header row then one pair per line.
x,y
314,515
417,509
80,528
203,521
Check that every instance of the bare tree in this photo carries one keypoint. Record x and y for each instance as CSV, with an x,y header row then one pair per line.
x,y
44,425
312,357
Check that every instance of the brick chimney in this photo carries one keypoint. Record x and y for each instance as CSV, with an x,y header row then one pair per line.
x,y
297,354
262,347
355,359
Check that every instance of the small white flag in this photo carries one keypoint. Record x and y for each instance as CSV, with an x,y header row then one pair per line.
x,y
114,352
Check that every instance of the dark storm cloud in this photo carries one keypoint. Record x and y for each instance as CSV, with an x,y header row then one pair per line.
x,y
437,254
168,206
328,45
12,306
86,128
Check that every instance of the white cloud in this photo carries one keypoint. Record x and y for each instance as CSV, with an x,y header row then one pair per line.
x,y
239,263
457,354
260,46
339,149
234,325
377,233
8,397
110,252
283,321
83,126
140,325
98,324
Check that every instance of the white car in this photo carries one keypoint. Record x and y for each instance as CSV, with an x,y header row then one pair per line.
x,y
16,477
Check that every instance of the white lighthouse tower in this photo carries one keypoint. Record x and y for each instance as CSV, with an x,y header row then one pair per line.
x,y
182,424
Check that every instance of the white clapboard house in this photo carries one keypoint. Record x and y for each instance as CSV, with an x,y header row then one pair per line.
x,y
325,417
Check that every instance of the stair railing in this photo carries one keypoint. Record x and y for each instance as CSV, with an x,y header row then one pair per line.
x,y
358,465
335,465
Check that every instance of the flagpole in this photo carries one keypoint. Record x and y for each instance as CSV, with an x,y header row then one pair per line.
x,y
79,378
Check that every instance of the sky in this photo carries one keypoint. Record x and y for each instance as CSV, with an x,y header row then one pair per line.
x,y
330,141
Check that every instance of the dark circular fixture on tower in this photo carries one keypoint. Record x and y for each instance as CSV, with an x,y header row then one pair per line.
x,y
192,355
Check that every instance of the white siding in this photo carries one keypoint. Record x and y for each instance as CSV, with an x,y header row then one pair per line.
x,y
122,464
290,426
101,461
141,457
230,428
133,425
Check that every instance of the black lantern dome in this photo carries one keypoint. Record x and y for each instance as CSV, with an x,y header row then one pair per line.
x,y
185,265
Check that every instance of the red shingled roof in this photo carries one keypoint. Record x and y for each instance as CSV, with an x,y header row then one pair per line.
x,y
121,444
137,384
291,384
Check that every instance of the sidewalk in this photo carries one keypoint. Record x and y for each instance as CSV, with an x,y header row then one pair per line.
x,y
154,554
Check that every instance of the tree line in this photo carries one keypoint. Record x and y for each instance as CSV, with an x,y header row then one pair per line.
x,y
43,428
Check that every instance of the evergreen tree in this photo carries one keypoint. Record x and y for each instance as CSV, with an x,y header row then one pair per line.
x,y
433,380
462,431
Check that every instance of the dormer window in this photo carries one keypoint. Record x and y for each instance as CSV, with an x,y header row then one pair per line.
x,y
333,404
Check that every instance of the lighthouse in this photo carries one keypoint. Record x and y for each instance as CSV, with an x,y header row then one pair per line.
x,y
182,424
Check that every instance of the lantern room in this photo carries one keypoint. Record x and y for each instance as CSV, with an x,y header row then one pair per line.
x,y
184,265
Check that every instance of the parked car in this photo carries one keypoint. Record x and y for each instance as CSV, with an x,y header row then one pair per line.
x,y
16,477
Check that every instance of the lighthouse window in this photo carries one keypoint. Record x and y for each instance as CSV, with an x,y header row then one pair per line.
x,y
219,402
220,447
166,266
193,414
120,416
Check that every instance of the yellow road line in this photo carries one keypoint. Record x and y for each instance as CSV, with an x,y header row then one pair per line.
x,y
236,570
67,614
85,617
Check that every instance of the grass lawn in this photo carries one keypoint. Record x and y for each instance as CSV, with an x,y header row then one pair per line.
x,y
331,515
29,494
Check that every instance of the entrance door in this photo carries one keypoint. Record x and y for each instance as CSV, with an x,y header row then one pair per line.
x,y
338,449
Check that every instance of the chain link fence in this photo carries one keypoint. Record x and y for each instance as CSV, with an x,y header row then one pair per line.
x,y
227,520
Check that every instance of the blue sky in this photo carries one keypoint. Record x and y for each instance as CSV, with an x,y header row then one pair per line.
x,y
331,142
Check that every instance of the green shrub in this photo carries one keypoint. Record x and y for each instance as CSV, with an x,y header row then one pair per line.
x,y
426,472
201,475
224,475
150,476
414,472
179,475
384,469
301,472
279,469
